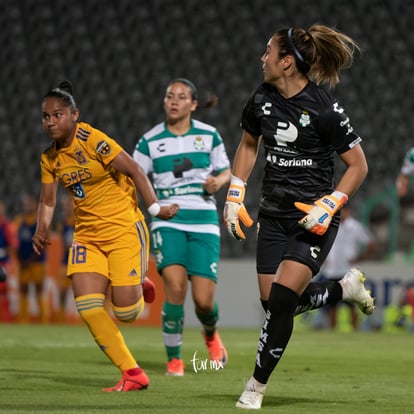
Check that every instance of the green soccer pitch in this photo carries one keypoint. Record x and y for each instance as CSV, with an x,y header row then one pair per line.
x,y
54,369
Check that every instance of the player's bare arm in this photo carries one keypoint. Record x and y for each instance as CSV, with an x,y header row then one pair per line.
x,y
357,170
215,183
246,155
47,203
125,164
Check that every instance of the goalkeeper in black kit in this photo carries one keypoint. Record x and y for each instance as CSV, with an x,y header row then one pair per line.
x,y
301,127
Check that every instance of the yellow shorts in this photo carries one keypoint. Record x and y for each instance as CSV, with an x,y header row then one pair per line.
x,y
123,261
32,273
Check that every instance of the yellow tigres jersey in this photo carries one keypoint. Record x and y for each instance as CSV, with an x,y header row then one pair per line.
x,y
105,201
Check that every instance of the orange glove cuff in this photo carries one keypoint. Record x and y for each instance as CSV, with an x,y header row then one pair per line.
x,y
236,190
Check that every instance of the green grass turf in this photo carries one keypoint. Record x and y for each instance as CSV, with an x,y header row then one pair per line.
x,y
59,369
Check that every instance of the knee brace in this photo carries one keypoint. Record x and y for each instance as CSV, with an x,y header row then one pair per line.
x,y
129,314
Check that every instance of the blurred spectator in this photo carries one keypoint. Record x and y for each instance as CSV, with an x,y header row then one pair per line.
x,y
65,228
32,266
353,244
3,275
407,171
406,299
8,246
402,183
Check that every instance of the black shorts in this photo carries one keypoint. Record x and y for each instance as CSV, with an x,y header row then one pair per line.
x,y
283,239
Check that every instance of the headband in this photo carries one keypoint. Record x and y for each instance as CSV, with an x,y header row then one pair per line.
x,y
302,65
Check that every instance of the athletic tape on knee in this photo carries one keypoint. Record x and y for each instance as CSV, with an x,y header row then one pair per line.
x,y
129,314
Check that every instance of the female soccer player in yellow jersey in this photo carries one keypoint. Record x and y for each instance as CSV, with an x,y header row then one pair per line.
x,y
111,243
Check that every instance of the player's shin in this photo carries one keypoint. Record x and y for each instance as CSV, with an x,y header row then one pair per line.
x,y
104,330
276,330
319,294
172,329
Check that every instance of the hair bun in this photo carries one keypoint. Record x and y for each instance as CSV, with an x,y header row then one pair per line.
x,y
66,86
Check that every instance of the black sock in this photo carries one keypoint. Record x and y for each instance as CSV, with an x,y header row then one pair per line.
x,y
264,304
276,331
319,294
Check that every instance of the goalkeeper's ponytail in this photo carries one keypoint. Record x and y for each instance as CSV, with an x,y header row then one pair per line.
x,y
321,52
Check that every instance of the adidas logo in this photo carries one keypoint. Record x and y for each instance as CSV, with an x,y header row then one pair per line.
x,y
133,272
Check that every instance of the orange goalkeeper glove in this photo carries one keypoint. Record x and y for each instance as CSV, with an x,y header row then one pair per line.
x,y
319,215
234,209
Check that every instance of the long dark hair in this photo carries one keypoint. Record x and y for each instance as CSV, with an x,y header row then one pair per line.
x,y
208,101
321,52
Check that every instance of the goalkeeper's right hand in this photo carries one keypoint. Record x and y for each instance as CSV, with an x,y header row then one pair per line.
x,y
320,213
234,209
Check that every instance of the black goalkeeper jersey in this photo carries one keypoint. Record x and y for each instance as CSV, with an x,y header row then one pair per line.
x,y
300,136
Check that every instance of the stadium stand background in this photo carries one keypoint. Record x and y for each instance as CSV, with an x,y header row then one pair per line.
x,y
120,54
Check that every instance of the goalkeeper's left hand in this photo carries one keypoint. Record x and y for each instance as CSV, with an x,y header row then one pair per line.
x,y
319,215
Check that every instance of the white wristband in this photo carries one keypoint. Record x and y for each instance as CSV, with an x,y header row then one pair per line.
x,y
339,195
237,181
154,209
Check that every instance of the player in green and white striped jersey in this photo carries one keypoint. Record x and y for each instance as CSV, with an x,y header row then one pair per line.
x,y
407,171
188,163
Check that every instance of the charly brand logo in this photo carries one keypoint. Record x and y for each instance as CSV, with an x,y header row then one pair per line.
x,y
200,364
